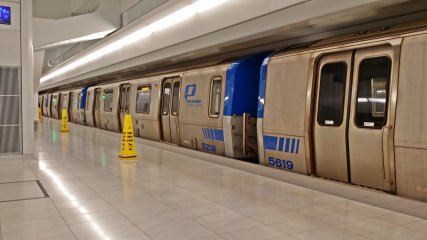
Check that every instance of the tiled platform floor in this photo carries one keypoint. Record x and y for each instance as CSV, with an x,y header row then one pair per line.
x,y
168,196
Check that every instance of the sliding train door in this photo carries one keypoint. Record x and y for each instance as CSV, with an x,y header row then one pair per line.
x,y
351,121
124,103
170,110
330,123
369,129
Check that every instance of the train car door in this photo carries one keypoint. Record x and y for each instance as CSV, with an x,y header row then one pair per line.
x,y
59,106
70,107
170,110
351,117
173,120
370,123
124,102
330,122
96,107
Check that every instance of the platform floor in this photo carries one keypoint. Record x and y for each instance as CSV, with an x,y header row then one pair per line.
x,y
90,194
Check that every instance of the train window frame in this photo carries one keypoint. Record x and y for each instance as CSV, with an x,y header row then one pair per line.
x,y
175,113
163,99
319,97
367,125
104,93
137,97
213,80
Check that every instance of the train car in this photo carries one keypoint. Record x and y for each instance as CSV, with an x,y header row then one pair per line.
x,y
92,112
217,111
351,109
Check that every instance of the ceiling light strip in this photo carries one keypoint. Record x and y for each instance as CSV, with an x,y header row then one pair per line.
x,y
166,22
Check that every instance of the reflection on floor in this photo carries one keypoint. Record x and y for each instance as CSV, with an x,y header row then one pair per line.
x,y
168,196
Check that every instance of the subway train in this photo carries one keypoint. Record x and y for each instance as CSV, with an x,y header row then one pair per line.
x,y
350,108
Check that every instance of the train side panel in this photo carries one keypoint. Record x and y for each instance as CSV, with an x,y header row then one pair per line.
x,y
201,109
411,120
109,107
282,113
145,99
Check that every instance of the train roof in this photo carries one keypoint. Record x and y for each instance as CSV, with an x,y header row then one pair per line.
x,y
366,35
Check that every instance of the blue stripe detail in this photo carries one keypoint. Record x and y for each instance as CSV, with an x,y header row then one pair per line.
x,y
208,133
241,86
293,145
83,95
281,141
270,142
212,134
204,133
262,86
287,144
219,135
297,147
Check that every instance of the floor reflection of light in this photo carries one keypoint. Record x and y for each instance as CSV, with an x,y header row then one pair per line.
x,y
72,199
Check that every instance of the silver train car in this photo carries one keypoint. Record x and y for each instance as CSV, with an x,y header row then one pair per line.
x,y
350,109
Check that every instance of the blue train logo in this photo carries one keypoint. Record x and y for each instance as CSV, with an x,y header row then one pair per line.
x,y
190,92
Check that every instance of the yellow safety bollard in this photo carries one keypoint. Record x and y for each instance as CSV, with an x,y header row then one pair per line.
x,y
64,124
128,144
40,115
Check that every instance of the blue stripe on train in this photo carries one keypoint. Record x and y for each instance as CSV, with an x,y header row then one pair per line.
x,y
213,134
270,142
288,145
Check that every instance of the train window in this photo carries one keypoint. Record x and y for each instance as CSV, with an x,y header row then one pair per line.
x,y
331,94
143,99
215,103
166,98
108,100
175,98
372,93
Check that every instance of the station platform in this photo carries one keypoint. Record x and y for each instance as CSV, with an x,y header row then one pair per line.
x,y
76,188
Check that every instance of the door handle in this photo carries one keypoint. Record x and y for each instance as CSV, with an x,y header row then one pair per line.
x,y
385,150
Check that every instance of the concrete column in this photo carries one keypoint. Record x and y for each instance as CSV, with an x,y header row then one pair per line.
x,y
27,68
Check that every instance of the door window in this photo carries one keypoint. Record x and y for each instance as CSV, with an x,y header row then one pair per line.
x,y
143,99
108,100
166,98
331,94
372,92
175,98
215,103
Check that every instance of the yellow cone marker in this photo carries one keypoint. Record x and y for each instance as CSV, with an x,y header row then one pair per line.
x,y
40,115
64,124
128,145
